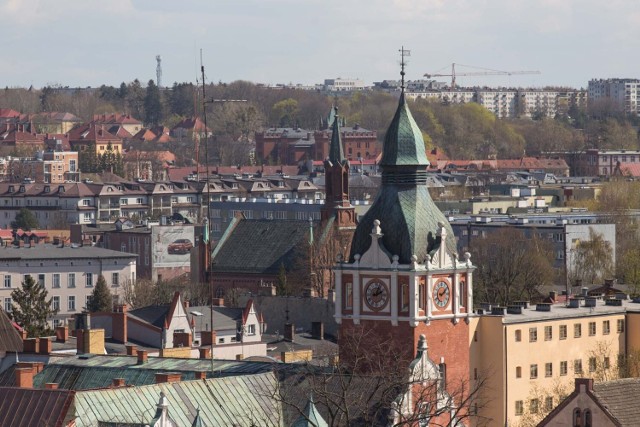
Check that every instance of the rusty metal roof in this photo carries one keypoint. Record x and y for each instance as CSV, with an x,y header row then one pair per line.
x,y
23,407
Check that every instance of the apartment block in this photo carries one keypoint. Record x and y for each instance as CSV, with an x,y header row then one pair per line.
x,y
621,94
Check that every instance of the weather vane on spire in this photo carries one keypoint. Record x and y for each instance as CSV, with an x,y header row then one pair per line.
x,y
403,54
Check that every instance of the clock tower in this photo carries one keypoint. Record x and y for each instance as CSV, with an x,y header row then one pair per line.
x,y
403,277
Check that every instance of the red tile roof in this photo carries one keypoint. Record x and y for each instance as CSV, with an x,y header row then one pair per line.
x,y
190,123
120,119
9,113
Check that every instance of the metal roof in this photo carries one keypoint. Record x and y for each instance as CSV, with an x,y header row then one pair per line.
x,y
24,407
38,252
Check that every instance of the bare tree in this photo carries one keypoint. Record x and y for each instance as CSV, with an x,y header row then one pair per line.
x,y
592,259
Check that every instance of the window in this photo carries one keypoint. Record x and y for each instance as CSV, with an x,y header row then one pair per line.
x,y
548,369
115,279
620,326
41,279
421,296
7,280
577,330
533,406
71,280
251,329
71,303
533,334
548,333
563,332
7,305
592,364
56,280
87,300
563,368
592,328
404,298
442,372
606,363
55,303
533,370
518,372
518,335
577,366
548,403
348,297
606,327
519,407
221,341
89,280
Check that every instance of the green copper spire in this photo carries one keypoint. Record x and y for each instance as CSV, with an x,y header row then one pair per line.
x,y
336,152
408,217
310,416
403,143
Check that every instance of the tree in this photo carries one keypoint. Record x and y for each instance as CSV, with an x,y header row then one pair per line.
x,y
380,385
25,219
153,105
101,299
511,265
282,287
30,308
284,113
592,259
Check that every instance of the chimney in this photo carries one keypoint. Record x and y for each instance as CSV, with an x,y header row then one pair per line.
x,y
24,377
205,353
201,375
181,339
143,356
119,322
131,350
31,345
217,302
289,331
207,338
317,330
45,346
186,304
168,377
51,386
118,382
552,295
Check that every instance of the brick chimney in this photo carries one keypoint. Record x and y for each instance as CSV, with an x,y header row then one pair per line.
x,y
51,386
117,382
24,377
143,356
208,338
289,331
45,346
31,345
317,330
217,302
181,339
201,375
205,353
131,349
119,324
62,333
168,377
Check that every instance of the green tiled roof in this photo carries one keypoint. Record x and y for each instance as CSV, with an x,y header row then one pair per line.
x,y
79,373
232,401
403,143
408,217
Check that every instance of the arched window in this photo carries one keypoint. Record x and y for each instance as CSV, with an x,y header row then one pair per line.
x,y
462,294
587,418
577,418
219,292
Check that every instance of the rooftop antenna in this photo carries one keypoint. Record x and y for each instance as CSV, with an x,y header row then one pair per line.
x,y
403,54
159,71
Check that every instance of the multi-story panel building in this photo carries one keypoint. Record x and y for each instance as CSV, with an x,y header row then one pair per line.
x,y
621,94
68,273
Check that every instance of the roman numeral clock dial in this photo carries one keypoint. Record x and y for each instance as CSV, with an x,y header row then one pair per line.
x,y
376,295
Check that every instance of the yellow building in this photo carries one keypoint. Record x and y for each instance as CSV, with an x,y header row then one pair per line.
x,y
529,354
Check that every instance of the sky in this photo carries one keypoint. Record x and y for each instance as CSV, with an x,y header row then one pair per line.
x,y
82,43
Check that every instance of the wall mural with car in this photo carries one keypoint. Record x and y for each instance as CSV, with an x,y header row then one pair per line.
x,y
172,245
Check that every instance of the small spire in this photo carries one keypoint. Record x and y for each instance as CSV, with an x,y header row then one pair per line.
x,y
403,54
336,152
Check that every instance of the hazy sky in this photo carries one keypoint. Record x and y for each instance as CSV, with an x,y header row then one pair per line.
x,y
91,42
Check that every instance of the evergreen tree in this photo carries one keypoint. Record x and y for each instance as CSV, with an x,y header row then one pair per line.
x,y
282,287
25,219
101,297
152,105
31,309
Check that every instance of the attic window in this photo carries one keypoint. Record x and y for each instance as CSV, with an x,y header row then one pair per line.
x,y
109,189
11,189
61,189
162,187
47,189
22,189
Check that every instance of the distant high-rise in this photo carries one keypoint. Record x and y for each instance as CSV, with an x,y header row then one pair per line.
x,y
622,94
159,70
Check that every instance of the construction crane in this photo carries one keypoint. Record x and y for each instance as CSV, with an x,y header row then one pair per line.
x,y
485,72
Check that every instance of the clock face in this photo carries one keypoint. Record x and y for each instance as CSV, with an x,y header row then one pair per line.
x,y
376,295
441,294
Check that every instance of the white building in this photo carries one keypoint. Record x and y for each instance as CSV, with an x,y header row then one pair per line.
x,y
69,274
622,93
343,85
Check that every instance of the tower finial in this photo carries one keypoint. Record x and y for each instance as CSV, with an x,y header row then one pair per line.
x,y
403,54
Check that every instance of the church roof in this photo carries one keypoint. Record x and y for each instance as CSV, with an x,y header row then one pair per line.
x,y
336,150
408,216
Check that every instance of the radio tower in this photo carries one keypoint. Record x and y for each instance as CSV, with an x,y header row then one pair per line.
x,y
159,71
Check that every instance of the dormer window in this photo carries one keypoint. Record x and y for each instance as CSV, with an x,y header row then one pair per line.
x,y
11,189
280,184
234,185
22,189
61,189
47,189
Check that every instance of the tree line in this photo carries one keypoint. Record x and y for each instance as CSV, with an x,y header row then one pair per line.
x,y
462,131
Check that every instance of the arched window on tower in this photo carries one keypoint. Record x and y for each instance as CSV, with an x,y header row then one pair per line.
x,y
463,293
587,418
577,418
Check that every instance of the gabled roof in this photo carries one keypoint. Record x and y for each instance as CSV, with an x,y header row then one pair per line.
x,y
8,113
10,339
122,119
190,123
258,245
25,407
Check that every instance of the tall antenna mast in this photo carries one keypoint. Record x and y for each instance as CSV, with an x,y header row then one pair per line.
x,y
159,71
403,54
